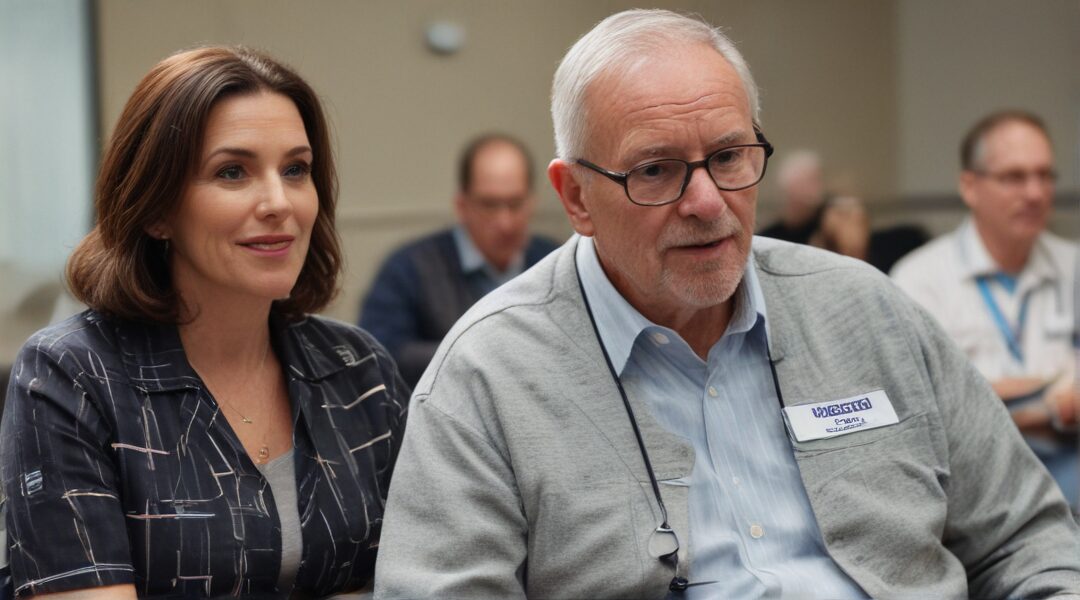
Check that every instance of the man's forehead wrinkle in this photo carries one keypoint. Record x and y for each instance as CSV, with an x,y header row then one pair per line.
x,y
663,135
663,138
677,104
686,118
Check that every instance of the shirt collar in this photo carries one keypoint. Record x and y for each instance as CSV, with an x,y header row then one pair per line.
x,y
473,260
977,262
620,324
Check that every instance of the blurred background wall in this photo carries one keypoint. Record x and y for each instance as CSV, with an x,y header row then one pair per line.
x,y
883,89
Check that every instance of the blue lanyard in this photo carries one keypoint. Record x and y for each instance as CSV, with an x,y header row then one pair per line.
x,y
1012,336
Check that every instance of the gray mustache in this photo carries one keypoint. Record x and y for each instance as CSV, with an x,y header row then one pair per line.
x,y
698,233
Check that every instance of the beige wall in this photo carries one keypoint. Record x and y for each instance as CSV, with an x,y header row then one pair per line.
x,y
401,113
961,59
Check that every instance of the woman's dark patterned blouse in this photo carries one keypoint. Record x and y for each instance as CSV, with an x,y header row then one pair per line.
x,y
119,467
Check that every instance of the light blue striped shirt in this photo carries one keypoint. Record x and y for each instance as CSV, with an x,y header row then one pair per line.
x,y
752,530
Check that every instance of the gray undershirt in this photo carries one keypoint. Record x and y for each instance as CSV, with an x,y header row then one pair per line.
x,y
280,473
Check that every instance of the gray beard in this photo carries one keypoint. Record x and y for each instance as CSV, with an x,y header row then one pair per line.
x,y
716,282
711,287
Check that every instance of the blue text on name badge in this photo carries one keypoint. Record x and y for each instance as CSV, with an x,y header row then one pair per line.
x,y
841,408
837,417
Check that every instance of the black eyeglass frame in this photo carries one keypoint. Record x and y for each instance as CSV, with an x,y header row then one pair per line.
x,y
621,178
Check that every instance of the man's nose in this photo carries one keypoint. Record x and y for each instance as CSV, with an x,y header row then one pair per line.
x,y
702,199
504,219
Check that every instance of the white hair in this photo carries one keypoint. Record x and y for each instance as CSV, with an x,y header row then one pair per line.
x,y
796,163
618,43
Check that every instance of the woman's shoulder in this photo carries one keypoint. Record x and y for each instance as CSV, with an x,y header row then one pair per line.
x,y
82,332
93,344
81,350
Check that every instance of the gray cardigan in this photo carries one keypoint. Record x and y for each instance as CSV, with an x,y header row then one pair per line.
x,y
519,472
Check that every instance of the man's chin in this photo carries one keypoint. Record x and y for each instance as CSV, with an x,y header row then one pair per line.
x,y
506,255
1027,233
701,290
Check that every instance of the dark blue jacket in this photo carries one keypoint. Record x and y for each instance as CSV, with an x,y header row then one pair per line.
x,y
419,293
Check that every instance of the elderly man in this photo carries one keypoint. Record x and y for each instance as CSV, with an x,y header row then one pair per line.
x,y
1002,286
664,406
424,287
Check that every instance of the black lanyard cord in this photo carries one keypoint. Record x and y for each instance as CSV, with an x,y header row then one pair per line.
x,y
678,583
626,403
775,377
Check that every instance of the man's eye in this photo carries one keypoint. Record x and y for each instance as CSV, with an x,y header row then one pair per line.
x,y
231,173
726,157
657,170
1048,176
1013,177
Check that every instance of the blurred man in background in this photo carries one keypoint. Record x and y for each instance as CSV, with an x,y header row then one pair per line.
x,y
1001,285
424,287
802,185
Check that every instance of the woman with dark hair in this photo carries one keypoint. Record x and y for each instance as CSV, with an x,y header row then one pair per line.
x,y
195,433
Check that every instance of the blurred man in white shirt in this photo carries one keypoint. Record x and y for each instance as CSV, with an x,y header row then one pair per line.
x,y
1002,286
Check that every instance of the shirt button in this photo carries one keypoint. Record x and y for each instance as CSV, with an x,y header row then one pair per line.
x,y
757,531
713,392
660,338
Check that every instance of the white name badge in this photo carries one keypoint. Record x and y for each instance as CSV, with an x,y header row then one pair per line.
x,y
839,417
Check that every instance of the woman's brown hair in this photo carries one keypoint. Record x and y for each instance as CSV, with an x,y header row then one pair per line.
x,y
118,269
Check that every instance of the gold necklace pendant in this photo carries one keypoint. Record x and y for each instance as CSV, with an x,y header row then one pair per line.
x,y
264,453
246,420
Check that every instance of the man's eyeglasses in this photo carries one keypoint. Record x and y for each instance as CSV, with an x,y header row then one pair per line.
x,y
493,204
664,181
1017,178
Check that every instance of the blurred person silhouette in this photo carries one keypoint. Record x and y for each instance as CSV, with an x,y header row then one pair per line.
x,y
426,285
845,229
802,185
1001,284
176,438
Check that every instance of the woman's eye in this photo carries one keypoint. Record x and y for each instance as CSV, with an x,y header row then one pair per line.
x,y
230,173
298,170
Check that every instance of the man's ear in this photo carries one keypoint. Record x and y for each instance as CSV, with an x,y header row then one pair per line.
x,y
966,186
564,180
